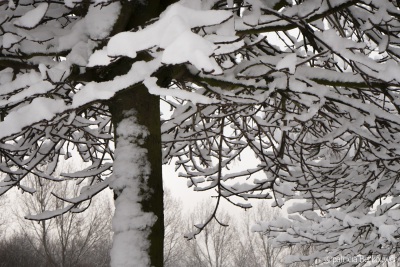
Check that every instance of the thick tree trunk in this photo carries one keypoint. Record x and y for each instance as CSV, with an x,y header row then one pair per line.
x,y
137,105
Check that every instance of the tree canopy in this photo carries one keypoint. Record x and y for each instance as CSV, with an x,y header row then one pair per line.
x,y
309,86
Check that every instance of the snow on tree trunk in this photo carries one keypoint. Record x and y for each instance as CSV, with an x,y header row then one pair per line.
x,y
131,225
137,181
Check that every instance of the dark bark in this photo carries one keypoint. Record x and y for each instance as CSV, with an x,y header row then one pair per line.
x,y
147,108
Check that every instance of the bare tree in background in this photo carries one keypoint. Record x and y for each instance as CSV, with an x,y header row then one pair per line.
x,y
219,246
173,236
4,219
215,247
255,249
70,240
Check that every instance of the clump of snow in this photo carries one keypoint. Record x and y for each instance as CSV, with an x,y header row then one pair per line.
x,y
299,207
347,237
131,225
33,17
11,4
190,47
97,24
99,58
6,76
79,54
252,17
100,19
43,70
387,232
9,40
60,71
76,34
289,62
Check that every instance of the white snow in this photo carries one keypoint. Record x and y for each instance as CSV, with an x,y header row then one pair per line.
x,y
11,4
190,47
60,71
33,17
36,88
97,24
99,58
130,224
6,76
39,109
172,32
299,207
100,19
77,33
9,39
79,54
22,81
387,232
289,62
346,237
48,214
94,91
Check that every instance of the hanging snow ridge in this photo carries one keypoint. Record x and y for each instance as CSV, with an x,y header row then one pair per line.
x,y
172,32
93,91
39,109
32,18
131,170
